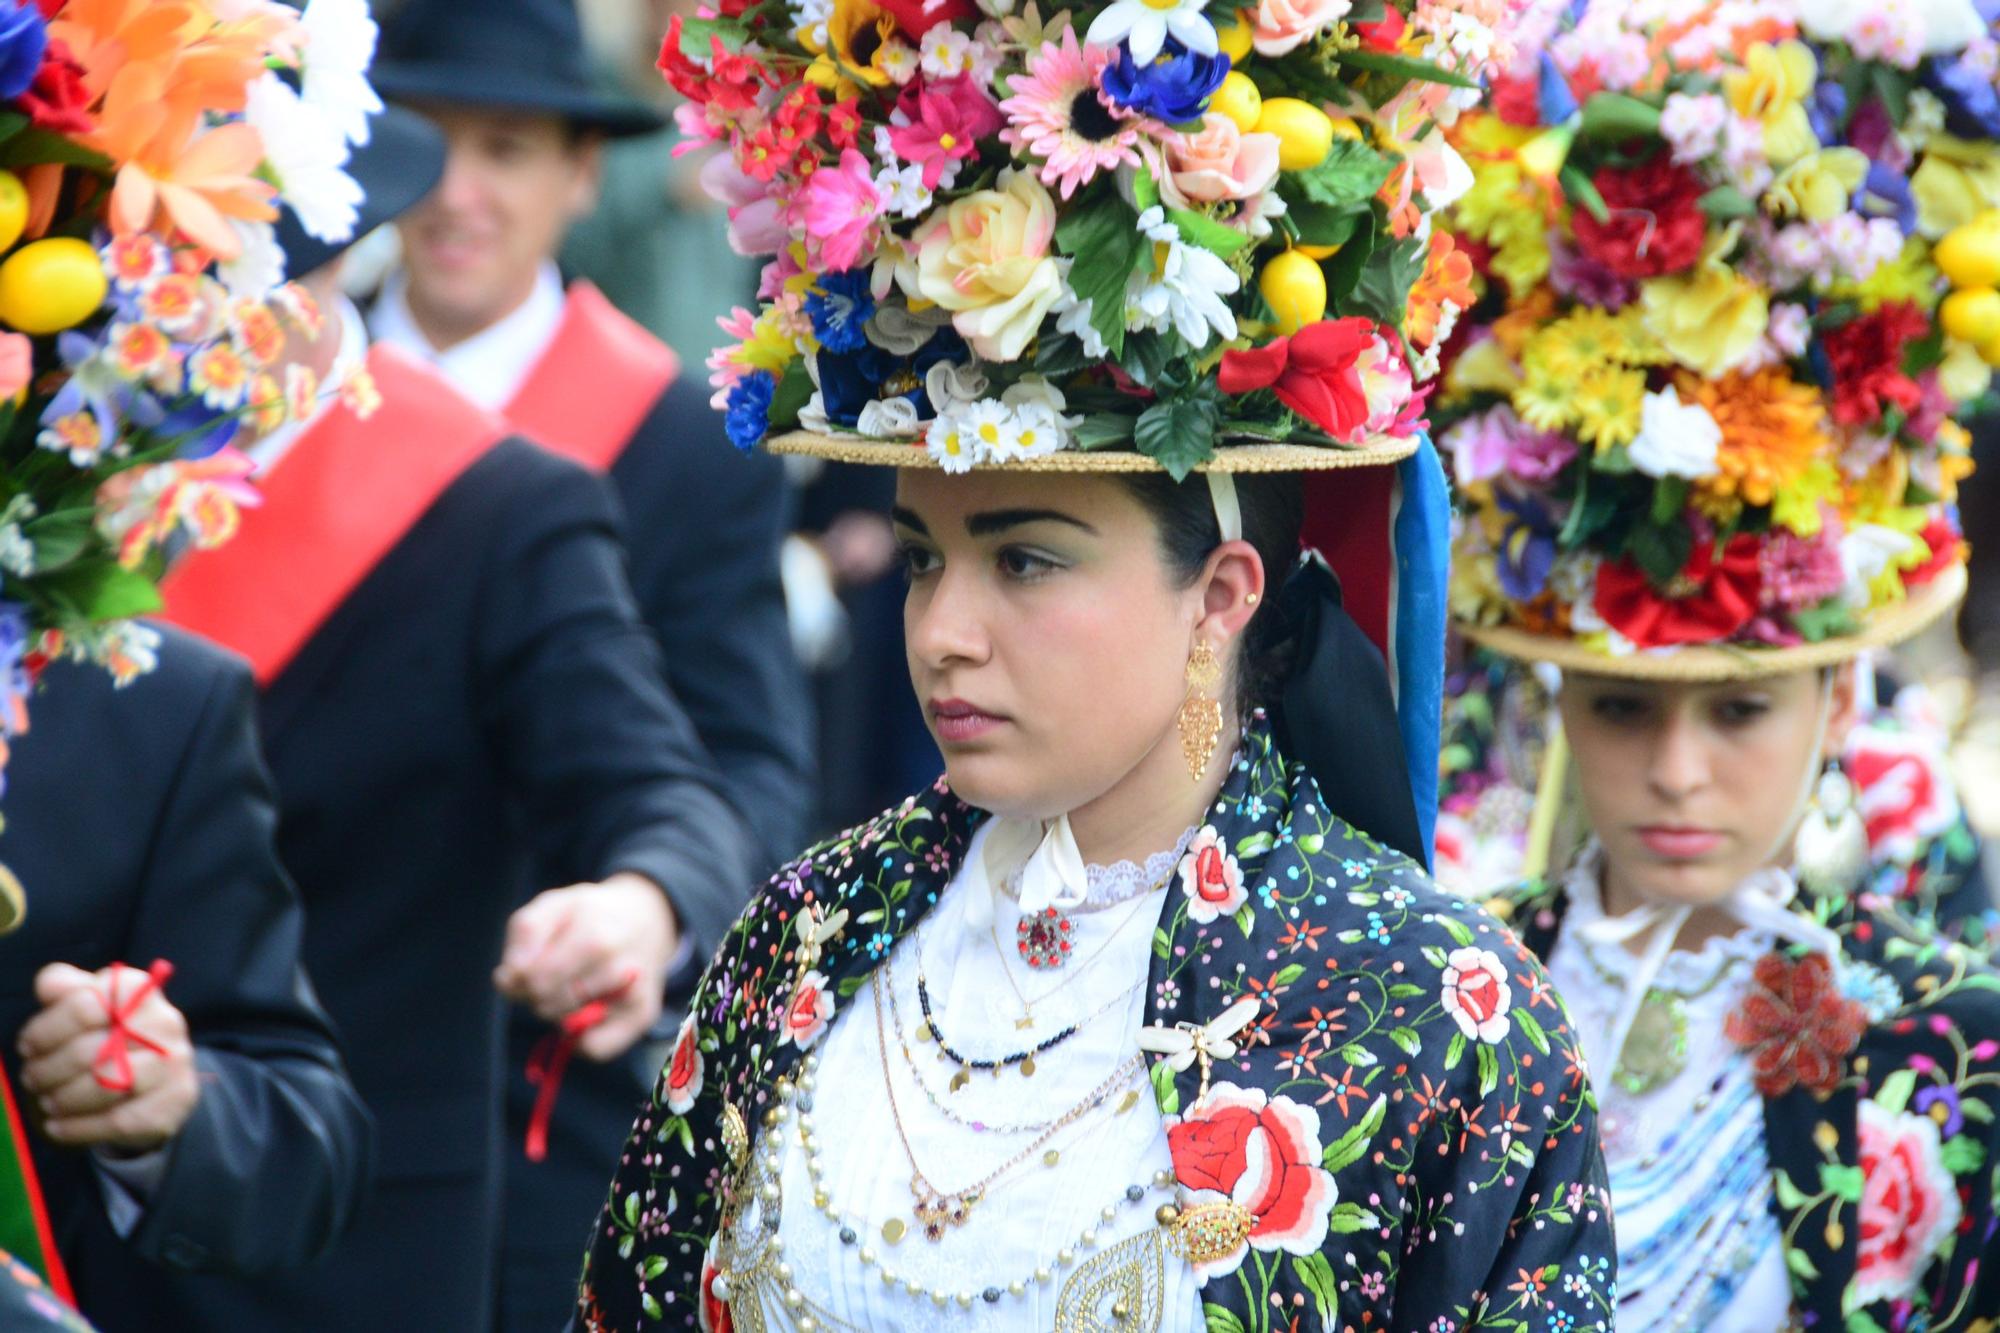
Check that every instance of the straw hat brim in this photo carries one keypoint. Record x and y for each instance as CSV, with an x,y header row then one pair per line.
x,y
1888,625
1229,458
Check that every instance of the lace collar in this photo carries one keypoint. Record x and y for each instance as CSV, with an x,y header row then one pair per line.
x,y
1107,886
1685,972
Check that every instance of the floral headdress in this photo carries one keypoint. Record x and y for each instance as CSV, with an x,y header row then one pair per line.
x,y
1154,233
145,148
1739,263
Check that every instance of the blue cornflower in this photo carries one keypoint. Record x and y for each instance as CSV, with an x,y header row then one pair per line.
x,y
1173,87
749,412
24,38
839,307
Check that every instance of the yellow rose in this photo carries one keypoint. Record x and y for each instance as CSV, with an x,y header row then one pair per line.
x,y
1818,186
1709,318
986,259
1771,89
1963,374
1954,183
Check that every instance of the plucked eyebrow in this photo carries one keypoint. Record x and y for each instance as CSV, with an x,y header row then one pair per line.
x,y
907,518
999,520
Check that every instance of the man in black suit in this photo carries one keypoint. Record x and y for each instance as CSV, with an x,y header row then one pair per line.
x,y
141,822
460,707
479,297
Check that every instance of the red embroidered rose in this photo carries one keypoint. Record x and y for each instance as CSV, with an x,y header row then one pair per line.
x,y
808,1013
1211,878
1902,793
1654,222
1709,600
1262,1155
1909,1203
1477,995
1314,372
683,1077
711,1310
1866,356
57,99
1797,1026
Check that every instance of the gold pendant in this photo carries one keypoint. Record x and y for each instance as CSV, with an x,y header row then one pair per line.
x,y
938,1212
892,1230
1023,1023
1028,1067
960,1079
924,1030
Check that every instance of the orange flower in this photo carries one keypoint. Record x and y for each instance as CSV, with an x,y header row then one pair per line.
x,y
1772,428
1523,320
1447,276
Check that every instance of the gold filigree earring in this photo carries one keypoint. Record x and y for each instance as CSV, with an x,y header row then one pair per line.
x,y
1201,711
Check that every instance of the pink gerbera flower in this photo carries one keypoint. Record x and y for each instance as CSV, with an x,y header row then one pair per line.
x,y
1058,114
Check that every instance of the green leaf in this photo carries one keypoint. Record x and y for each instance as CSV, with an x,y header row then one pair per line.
x,y
1102,233
1963,1155
1454,1053
1343,267
33,147
1164,1092
1163,943
1104,430
1145,358
1348,177
1178,434
1349,1218
1316,1276
1457,929
651,1305
1204,231
1246,920
1404,67
1489,1070
1618,116
1896,1091
1319,224
1829,620
1256,844
1790,1197
1531,1028
1582,191
794,391
1800,1264
104,591
1383,289
632,1208
654,1265
60,538
1669,498
1220,1320
1349,1148
1358,1055
1662,552
1726,203
695,35
1843,1182
1287,974
1058,356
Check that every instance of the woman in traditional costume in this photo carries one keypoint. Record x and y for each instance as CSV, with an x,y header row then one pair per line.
x,y
1123,1023
1703,430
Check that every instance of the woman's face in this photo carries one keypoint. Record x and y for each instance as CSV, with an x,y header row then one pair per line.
x,y
1692,787
1047,639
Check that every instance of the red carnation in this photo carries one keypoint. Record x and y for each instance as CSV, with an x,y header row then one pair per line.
x,y
1866,356
1797,1026
1947,549
1654,225
1386,33
57,99
1708,601
1517,99
917,17
1312,372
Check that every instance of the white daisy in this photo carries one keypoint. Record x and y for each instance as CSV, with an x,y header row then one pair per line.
x,y
305,151
1146,24
339,47
1072,314
902,190
260,262
951,445
1183,288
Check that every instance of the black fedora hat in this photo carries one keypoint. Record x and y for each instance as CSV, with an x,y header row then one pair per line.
x,y
516,55
402,162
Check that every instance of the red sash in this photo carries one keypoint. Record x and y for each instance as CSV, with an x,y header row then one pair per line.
x,y
1350,517
340,501
593,386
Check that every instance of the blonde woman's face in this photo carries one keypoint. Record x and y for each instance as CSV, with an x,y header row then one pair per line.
x,y
1692,787
1047,644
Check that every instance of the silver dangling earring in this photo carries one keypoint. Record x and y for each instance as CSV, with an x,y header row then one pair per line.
x,y
1831,851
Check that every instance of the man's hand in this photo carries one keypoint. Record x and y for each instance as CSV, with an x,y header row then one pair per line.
x,y
611,941
59,1044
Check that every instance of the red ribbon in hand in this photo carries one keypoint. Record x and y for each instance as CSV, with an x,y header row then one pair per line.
x,y
115,1055
550,1058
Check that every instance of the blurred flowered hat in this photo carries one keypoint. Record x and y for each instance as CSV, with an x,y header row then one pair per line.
x,y
1738,264
1128,237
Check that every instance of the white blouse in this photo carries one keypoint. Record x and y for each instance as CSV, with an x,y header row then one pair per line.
x,y
1082,1179
1698,1247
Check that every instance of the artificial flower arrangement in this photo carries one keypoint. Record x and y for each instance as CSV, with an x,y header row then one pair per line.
x,y
1709,395
1151,225
145,146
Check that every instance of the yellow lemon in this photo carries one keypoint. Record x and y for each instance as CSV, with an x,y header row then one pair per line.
x,y
48,286
1305,133
1239,100
1971,315
1970,255
13,209
1295,289
1319,251
1233,37
1989,352
1346,127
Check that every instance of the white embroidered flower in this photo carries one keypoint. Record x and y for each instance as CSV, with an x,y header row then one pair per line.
x,y
1675,439
888,419
339,47
951,385
897,329
308,155
1183,288
1145,25
950,445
